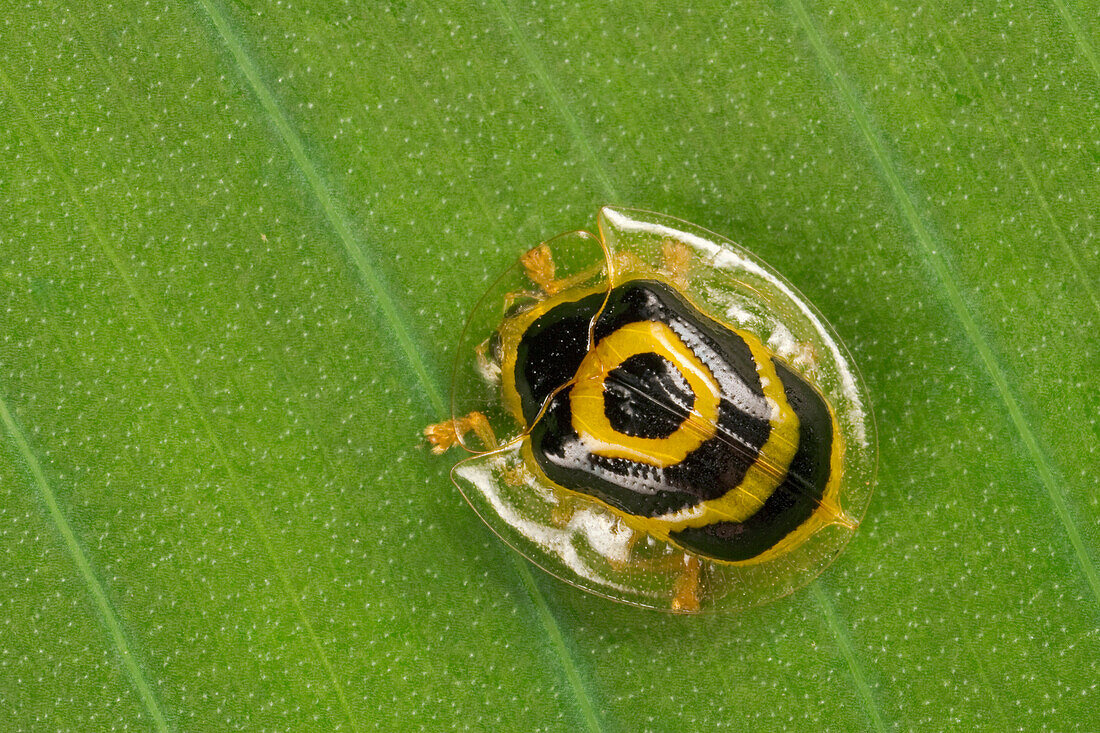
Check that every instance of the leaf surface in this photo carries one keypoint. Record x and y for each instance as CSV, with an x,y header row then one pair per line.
x,y
237,242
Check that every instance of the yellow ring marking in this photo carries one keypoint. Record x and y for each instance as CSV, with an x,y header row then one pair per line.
x,y
735,503
587,397
768,470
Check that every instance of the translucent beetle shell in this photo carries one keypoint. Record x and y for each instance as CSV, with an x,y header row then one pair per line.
x,y
658,417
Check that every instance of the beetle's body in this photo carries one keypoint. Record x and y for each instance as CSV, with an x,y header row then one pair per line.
x,y
688,429
631,432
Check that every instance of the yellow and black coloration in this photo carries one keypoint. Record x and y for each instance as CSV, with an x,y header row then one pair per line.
x,y
656,416
688,429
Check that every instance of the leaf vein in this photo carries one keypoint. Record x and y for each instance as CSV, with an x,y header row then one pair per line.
x,y
317,185
84,566
1079,36
320,190
846,650
192,398
543,76
952,290
1033,180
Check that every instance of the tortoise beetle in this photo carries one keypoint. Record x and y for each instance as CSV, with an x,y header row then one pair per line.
x,y
656,416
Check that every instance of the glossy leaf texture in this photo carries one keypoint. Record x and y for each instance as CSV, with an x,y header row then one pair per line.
x,y
238,242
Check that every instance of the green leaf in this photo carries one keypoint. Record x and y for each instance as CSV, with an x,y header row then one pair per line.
x,y
237,242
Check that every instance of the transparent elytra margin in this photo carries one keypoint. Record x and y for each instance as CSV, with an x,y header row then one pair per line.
x,y
581,541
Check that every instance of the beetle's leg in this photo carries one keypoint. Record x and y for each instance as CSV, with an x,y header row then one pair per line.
x,y
687,586
676,261
443,435
538,263
624,262
514,475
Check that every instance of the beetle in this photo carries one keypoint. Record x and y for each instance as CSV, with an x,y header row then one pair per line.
x,y
633,397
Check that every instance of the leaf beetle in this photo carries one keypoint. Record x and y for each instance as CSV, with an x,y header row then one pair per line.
x,y
656,416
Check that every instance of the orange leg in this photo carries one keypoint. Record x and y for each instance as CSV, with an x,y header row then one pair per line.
x,y
625,262
538,263
687,586
676,261
443,435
